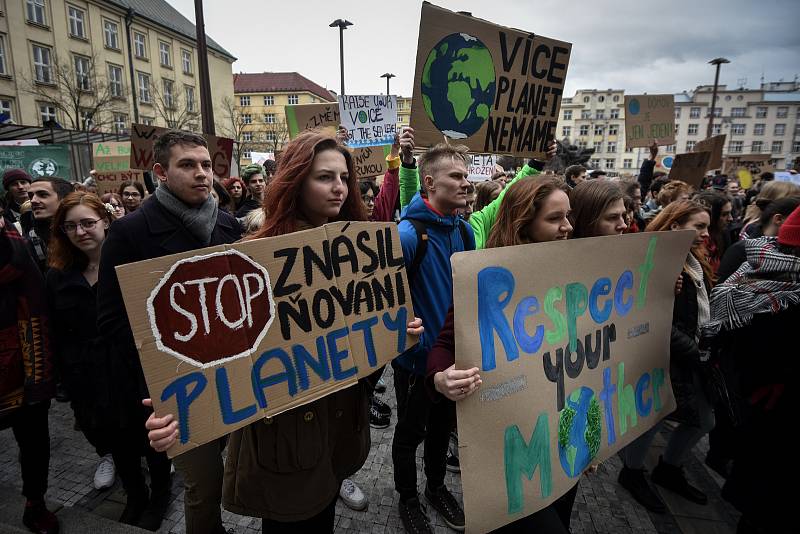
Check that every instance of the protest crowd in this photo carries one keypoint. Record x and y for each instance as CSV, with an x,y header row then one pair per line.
x,y
66,334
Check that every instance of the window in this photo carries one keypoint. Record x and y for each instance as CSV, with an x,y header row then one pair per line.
x,y
144,87
611,147
5,108
598,147
736,147
616,98
77,22
269,118
677,128
780,129
716,130
777,146
164,53
757,147
244,100
293,99
609,164
140,45
692,129
758,129
737,129
270,137
783,112
3,67
600,114
690,145
567,114
601,98
584,129
269,100
120,123
190,98
796,146
761,112
566,131
598,129
613,129
115,80
717,112
247,118
169,94
247,136
246,154
614,114
35,11
738,112
42,66
694,113
670,149
627,163
83,73
111,34
186,61
594,163
586,114
677,113
585,99
47,112
147,121
581,144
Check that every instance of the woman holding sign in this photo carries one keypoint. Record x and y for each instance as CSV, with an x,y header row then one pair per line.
x,y
288,469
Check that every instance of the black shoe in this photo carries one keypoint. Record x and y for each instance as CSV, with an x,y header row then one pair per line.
x,y
443,502
672,478
155,512
39,519
721,466
377,419
633,480
453,465
381,407
380,387
412,514
134,508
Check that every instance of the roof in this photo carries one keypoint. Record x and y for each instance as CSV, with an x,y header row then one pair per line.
x,y
272,82
163,14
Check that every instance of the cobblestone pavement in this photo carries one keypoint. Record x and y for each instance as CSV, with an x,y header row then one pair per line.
x,y
601,504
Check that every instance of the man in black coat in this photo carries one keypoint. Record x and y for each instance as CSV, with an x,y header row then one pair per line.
x,y
180,216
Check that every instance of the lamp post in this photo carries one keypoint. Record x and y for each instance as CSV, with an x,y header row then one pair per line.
x,y
342,25
718,61
388,77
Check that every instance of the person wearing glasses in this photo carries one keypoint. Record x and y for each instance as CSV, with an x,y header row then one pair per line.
x,y
117,207
132,194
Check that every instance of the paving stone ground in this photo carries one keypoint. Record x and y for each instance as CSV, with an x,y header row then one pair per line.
x,y
601,505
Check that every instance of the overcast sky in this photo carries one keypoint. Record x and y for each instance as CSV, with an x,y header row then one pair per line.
x,y
633,45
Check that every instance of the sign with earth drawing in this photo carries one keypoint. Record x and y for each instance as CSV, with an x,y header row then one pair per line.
x,y
494,89
574,362
39,160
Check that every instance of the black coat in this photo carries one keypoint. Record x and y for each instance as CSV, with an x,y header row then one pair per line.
x,y
149,232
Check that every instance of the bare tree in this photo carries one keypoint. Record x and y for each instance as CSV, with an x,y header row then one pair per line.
x,y
88,99
174,107
276,135
234,127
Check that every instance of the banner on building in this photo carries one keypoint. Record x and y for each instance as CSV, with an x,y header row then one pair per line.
x,y
231,334
648,119
143,137
494,89
574,362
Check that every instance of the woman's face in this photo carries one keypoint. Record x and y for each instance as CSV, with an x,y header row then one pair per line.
x,y
235,190
612,220
119,209
131,198
325,189
725,216
89,235
368,199
550,222
699,222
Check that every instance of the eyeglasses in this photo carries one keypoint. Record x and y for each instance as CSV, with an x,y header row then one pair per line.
x,y
368,199
117,206
132,194
86,224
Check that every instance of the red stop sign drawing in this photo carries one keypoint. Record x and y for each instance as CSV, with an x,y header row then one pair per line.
x,y
210,309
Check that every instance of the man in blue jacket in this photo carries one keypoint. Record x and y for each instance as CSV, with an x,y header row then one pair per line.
x,y
430,232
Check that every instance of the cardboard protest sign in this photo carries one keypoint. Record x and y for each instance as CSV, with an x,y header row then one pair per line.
x,y
495,89
303,117
757,163
370,120
574,362
111,161
231,334
690,167
787,177
38,160
664,162
714,145
143,137
371,161
481,167
648,118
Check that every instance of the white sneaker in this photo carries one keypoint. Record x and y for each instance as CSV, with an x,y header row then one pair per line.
x,y
105,473
352,495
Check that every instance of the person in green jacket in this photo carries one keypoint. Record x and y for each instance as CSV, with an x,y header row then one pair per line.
x,y
481,221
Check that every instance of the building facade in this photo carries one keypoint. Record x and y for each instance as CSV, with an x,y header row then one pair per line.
x,y
403,111
109,54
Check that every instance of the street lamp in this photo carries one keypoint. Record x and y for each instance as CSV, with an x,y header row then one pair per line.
x,y
718,61
388,77
342,24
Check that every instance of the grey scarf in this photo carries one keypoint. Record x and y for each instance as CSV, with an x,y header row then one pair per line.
x,y
200,221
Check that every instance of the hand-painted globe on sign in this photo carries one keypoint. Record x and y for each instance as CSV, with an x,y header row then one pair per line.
x,y
458,85
579,431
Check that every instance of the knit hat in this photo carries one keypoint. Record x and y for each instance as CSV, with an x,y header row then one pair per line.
x,y
789,232
250,170
12,175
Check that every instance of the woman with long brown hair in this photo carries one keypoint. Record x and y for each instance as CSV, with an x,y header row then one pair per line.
x,y
598,208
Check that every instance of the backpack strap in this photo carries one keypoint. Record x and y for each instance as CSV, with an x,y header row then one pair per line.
x,y
462,227
422,246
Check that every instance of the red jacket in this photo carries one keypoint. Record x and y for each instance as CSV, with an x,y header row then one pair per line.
x,y
443,353
387,197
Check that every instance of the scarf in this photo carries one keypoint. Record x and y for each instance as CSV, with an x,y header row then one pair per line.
x,y
768,282
695,272
200,221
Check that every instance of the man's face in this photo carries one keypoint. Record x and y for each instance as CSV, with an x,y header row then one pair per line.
x,y
44,201
189,173
19,190
256,185
580,178
447,187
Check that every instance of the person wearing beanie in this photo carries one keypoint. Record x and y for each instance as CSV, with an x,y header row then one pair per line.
x,y
789,232
15,183
253,178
